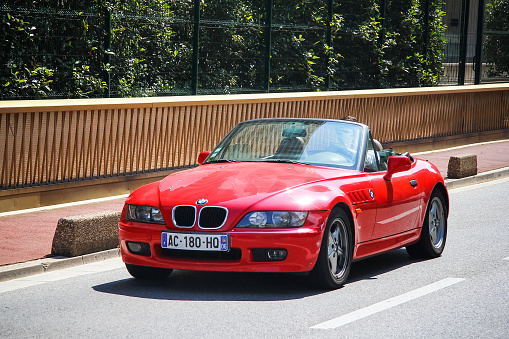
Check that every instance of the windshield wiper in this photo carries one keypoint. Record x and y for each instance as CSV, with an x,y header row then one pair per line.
x,y
288,161
219,160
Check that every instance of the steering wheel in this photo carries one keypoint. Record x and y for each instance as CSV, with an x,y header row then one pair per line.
x,y
343,151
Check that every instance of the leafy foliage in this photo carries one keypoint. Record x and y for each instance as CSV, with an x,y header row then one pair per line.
x,y
231,50
150,52
61,48
49,49
413,51
496,47
22,75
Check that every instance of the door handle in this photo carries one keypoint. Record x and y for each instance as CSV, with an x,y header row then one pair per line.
x,y
413,182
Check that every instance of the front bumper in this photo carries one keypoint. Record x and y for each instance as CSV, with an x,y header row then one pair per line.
x,y
302,245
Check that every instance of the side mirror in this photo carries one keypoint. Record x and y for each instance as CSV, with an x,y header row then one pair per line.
x,y
397,163
202,157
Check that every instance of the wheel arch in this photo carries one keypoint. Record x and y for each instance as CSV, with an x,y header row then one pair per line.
x,y
323,275
442,189
342,205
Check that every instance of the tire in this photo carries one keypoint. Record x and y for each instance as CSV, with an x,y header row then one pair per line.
x,y
148,273
335,257
431,244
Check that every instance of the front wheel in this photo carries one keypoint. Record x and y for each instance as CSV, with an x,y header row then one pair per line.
x,y
335,257
434,229
148,273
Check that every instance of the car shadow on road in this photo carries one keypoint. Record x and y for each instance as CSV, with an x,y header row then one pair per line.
x,y
230,286
215,286
370,268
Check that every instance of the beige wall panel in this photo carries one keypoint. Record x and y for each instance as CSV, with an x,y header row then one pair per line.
x,y
67,142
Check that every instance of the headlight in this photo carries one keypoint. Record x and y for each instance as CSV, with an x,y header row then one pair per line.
x,y
146,214
273,219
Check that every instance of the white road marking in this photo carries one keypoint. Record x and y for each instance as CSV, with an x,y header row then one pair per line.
x,y
69,204
460,147
478,185
101,266
386,304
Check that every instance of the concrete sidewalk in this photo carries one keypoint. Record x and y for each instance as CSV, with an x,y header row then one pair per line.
x,y
27,235
492,161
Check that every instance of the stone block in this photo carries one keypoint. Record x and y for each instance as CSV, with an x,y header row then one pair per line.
x,y
462,166
86,234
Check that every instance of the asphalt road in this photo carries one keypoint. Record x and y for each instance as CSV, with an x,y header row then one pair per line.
x,y
463,294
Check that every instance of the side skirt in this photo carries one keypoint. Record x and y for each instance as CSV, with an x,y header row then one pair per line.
x,y
378,246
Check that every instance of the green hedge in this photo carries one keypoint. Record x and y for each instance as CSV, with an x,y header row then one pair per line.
x,y
496,46
60,49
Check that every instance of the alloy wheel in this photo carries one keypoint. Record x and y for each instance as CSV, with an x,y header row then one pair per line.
x,y
338,248
436,220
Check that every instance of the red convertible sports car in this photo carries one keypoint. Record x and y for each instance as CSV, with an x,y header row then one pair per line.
x,y
286,195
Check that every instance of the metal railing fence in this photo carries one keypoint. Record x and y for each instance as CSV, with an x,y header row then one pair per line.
x,y
71,49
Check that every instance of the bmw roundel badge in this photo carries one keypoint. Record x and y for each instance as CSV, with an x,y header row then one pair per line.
x,y
202,202
371,194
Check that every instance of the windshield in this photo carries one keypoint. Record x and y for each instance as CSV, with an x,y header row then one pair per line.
x,y
326,143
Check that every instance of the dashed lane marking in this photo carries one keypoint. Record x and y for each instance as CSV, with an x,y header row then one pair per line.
x,y
386,304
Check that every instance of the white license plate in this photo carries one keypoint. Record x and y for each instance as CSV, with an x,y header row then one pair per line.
x,y
195,241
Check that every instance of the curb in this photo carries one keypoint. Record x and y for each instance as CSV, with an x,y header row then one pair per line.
x,y
15,271
479,178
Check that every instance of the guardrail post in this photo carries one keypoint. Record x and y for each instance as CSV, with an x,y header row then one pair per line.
x,y
478,43
465,11
268,43
329,41
196,47
107,49
382,14
426,33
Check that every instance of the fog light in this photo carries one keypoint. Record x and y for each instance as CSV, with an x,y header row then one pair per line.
x,y
140,248
276,254
269,254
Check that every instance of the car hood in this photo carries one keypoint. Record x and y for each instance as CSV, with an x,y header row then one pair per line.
x,y
228,182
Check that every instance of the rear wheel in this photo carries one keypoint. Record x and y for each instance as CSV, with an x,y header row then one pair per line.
x,y
335,258
148,273
434,229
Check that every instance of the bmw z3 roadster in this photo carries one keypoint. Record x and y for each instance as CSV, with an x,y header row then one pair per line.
x,y
286,195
